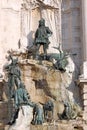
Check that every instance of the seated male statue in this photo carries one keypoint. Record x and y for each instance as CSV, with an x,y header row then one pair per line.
x,y
21,98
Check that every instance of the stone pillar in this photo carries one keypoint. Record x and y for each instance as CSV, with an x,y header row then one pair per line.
x,y
84,27
84,38
83,77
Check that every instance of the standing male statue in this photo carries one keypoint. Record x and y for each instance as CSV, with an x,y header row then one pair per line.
x,y
14,74
42,38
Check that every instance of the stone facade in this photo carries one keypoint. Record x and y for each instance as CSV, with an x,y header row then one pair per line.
x,y
10,27
74,39
18,23
71,29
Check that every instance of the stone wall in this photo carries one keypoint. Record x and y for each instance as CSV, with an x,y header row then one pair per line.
x,y
9,27
71,34
19,21
71,29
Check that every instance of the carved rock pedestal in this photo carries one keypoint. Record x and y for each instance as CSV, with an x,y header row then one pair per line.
x,y
24,119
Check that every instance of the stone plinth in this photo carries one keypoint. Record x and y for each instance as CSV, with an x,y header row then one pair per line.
x,y
83,89
84,70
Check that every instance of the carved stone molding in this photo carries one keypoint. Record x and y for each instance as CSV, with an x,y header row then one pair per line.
x,y
29,4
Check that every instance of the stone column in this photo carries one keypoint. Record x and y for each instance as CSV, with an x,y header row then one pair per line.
x,y
84,38
84,27
83,77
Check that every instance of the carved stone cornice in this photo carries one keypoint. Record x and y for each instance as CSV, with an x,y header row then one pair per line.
x,y
82,80
49,3
32,4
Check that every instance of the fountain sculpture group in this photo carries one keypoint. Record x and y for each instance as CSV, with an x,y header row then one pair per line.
x,y
17,89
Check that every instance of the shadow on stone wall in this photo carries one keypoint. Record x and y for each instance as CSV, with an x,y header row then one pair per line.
x,y
42,84
30,38
73,86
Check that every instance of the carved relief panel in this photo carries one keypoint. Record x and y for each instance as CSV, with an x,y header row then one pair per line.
x,y
32,11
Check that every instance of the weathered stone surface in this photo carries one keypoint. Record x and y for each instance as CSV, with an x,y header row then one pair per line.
x,y
44,83
71,28
4,112
24,119
63,125
41,81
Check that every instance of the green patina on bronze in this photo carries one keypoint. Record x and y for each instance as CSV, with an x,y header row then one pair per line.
x,y
42,37
14,74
